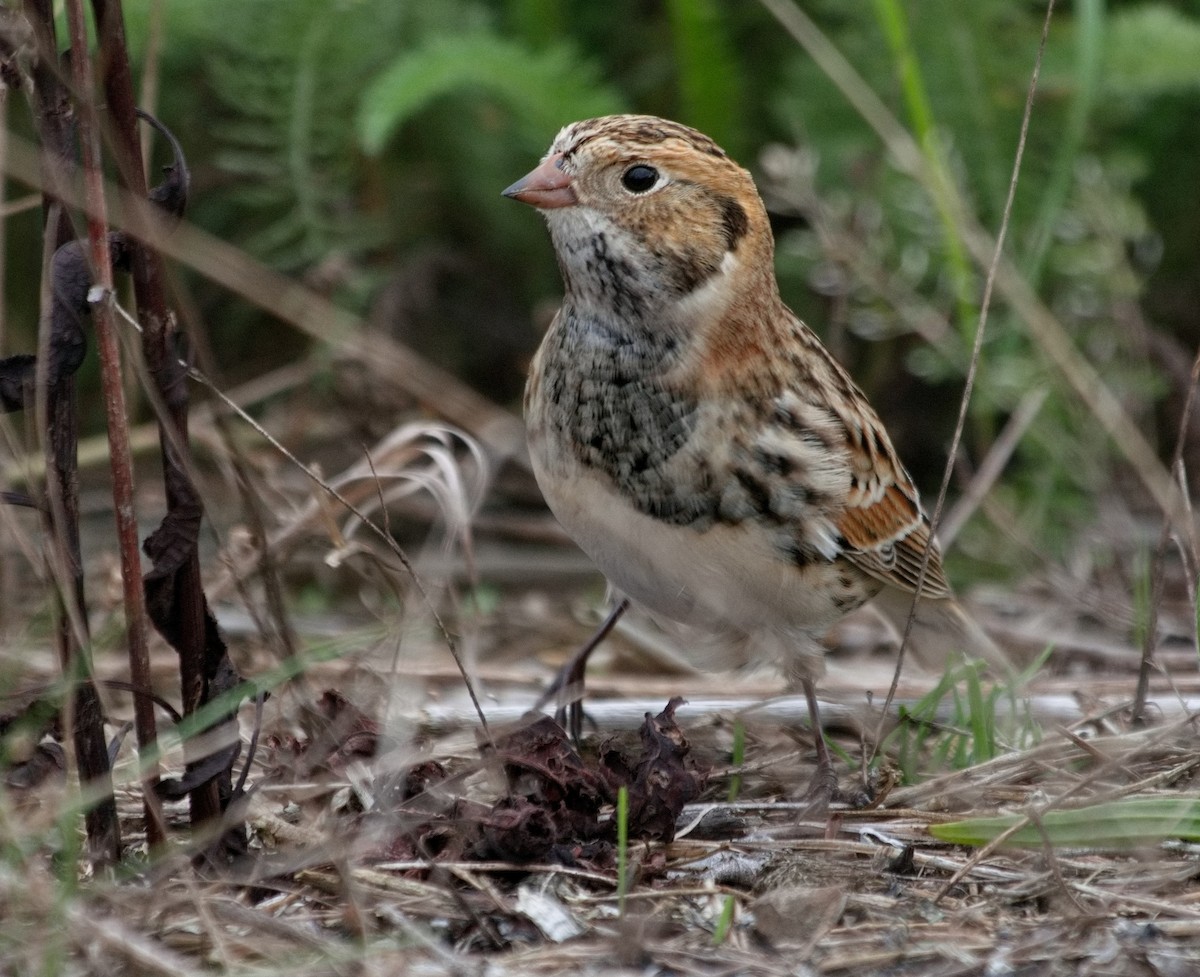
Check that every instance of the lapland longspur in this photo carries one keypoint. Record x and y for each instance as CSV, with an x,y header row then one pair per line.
x,y
691,433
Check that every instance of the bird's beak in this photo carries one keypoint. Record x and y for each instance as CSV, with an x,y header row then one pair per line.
x,y
546,187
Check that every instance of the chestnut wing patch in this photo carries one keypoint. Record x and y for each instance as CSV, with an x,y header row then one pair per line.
x,y
885,528
887,539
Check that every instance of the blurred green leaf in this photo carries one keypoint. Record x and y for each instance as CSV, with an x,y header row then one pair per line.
x,y
708,72
1152,49
545,89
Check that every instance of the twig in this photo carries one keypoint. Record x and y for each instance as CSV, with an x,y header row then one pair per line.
x,y
115,414
57,417
992,466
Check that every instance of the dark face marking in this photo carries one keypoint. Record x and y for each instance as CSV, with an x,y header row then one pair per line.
x,y
734,221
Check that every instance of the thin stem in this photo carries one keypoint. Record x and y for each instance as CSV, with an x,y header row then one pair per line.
x,y
104,322
969,386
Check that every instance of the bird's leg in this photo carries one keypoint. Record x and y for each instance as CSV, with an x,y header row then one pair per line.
x,y
823,786
568,683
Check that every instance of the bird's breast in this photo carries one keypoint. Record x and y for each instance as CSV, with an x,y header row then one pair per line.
x,y
600,400
684,503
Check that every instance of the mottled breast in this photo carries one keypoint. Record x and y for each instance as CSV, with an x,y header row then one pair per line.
x,y
598,398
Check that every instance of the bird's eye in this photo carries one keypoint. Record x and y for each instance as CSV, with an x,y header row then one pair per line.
x,y
640,178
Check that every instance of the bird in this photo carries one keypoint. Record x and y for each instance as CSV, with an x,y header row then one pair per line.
x,y
693,436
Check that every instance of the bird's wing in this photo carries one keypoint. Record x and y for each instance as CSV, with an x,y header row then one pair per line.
x,y
864,506
885,529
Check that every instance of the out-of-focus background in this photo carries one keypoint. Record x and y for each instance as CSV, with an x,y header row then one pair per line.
x,y
349,275
360,147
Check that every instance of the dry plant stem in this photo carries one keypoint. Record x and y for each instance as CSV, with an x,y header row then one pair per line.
x,y
992,466
4,92
1189,554
1160,555
168,377
5,569
83,718
53,116
969,385
152,61
567,685
115,415
1032,817
279,631
56,417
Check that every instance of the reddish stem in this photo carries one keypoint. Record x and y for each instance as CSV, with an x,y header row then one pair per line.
x,y
104,322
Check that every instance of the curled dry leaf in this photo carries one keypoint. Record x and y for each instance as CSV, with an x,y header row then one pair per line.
x,y
661,780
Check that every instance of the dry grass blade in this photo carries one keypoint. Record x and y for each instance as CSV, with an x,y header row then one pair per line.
x,y
381,533
992,466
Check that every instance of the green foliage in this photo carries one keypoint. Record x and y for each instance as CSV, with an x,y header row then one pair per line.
x,y
1133,822
544,89
286,77
709,75
959,722
1153,49
539,22
960,72
454,99
724,921
737,758
895,27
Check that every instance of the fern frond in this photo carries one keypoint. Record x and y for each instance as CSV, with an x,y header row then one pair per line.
x,y
545,88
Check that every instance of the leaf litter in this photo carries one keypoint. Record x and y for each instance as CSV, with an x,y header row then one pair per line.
x,y
388,836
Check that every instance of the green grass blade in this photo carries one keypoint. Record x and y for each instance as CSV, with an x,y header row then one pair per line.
x,y
981,716
544,88
1128,823
1089,24
724,923
737,759
709,76
894,24
622,847
540,22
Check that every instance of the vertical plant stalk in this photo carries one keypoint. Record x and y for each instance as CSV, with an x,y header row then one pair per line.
x,y
622,815
169,379
57,417
104,322
708,72
976,354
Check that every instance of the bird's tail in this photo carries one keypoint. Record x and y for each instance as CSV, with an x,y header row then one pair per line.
x,y
943,632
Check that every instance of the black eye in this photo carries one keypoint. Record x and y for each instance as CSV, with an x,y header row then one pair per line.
x,y
640,178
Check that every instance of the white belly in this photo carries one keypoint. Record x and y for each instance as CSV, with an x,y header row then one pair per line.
x,y
724,578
